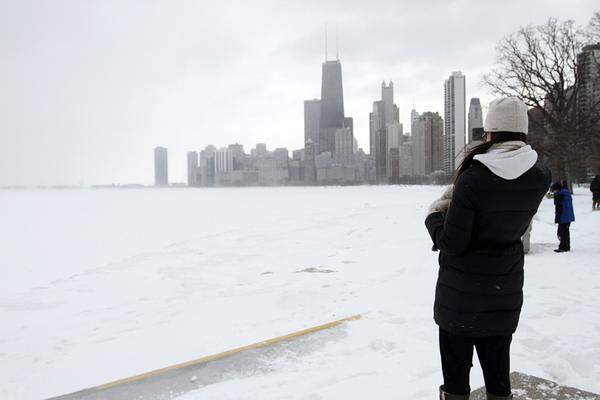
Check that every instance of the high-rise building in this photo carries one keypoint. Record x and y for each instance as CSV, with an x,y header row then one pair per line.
x,y
417,145
414,116
428,144
387,96
349,123
405,163
385,113
282,157
239,156
192,168
223,160
431,127
332,104
475,121
298,155
394,132
454,121
161,167
375,121
344,147
310,171
588,105
312,121
418,148
261,150
206,161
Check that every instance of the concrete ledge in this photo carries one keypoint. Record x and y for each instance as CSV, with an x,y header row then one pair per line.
x,y
169,382
527,387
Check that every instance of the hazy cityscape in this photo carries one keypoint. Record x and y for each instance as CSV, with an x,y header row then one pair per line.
x,y
428,151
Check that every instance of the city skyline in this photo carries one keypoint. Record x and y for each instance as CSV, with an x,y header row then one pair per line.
x,y
90,107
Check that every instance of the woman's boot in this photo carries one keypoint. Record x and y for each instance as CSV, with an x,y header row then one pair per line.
x,y
448,396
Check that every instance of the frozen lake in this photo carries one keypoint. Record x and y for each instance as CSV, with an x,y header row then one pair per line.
x,y
102,284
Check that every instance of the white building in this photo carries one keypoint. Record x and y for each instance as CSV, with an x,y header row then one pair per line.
x,y
223,160
454,121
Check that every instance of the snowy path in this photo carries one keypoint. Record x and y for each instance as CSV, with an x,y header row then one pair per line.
x,y
100,285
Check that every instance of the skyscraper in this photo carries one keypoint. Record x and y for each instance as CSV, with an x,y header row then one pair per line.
x,y
387,96
192,168
475,120
161,167
239,156
312,121
454,121
310,171
432,128
385,114
394,132
414,117
588,104
344,147
332,104
223,160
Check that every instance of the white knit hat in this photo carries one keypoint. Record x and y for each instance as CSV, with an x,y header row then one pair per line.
x,y
508,114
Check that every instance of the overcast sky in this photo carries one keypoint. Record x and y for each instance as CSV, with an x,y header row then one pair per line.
x,y
89,88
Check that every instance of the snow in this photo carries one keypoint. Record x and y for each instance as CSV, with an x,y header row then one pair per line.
x,y
103,284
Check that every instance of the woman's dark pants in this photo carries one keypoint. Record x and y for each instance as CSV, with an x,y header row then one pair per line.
x,y
457,356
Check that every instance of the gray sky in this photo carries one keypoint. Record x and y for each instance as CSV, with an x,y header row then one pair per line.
x,y
89,88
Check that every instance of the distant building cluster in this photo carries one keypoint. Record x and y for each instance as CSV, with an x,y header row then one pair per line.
x,y
434,147
429,153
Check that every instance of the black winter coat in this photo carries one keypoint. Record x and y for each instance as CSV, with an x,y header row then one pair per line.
x,y
595,186
479,291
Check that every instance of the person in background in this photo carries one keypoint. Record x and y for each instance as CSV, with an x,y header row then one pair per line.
x,y
477,226
595,189
564,215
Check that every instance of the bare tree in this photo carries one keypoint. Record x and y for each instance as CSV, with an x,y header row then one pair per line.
x,y
592,32
540,65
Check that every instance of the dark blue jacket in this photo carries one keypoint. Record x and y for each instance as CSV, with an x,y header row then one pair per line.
x,y
563,202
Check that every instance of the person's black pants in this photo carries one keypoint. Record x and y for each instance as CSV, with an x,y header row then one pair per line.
x,y
457,356
564,235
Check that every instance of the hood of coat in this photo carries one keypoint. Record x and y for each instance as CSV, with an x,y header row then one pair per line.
x,y
509,160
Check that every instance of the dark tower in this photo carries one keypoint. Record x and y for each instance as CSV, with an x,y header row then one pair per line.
x,y
161,167
332,105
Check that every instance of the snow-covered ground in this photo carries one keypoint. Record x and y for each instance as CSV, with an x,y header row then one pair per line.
x,y
102,284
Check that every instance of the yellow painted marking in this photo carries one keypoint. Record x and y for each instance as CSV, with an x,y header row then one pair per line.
x,y
224,354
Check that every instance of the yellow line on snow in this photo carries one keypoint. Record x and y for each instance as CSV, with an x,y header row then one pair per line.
x,y
224,354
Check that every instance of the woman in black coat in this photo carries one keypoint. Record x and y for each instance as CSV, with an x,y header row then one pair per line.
x,y
477,228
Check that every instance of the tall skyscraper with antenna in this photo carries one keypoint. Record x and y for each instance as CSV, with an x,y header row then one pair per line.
x,y
332,101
